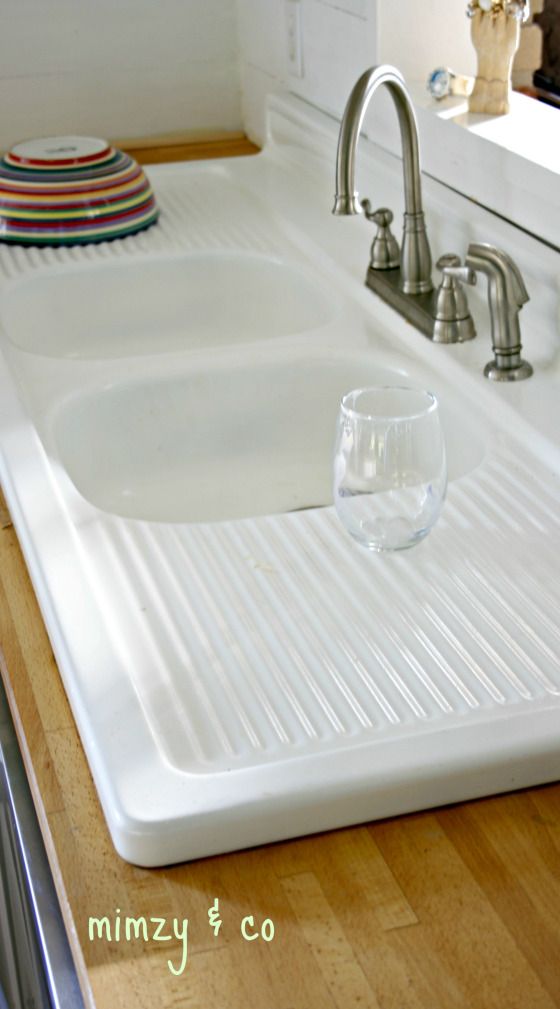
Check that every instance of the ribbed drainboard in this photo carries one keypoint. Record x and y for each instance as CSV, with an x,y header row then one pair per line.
x,y
260,639
195,214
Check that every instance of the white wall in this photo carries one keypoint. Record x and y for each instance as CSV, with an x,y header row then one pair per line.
x,y
117,68
127,68
417,37
340,39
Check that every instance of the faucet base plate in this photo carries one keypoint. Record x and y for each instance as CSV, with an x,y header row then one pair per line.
x,y
417,309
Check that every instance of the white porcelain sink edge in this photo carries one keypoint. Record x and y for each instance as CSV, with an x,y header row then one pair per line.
x,y
329,651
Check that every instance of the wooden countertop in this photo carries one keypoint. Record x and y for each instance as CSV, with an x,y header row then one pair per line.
x,y
455,908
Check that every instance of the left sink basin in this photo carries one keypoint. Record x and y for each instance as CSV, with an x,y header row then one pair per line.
x,y
163,304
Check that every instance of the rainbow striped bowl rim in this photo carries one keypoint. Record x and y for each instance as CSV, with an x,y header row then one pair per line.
x,y
72,190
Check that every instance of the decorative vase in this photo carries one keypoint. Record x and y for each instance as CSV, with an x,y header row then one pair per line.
x,y
495,36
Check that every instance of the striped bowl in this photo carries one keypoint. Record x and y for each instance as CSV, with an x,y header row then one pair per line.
x,y
72,190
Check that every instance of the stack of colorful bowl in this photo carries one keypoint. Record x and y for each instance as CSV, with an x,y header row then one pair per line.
x,y
72,190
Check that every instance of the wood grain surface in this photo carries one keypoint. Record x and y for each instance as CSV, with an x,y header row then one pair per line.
x,y
455,908
231,146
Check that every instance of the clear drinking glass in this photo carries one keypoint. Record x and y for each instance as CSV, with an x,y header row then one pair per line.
x,y
390,472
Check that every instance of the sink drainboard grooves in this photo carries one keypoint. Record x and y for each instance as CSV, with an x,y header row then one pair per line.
x,y
340,704
189,221
265,639
301,581
400,630
390,629
525,605
263,659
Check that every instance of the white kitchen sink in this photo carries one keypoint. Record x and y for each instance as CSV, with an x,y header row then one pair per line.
x,y
239,669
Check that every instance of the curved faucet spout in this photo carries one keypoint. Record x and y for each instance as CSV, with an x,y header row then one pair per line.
x,y
415,254
347,200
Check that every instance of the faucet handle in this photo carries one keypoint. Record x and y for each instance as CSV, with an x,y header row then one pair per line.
x,y
382,216
385,252
450,266
453,322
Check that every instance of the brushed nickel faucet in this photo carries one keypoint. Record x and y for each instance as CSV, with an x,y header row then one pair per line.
x,y
403,277
415,260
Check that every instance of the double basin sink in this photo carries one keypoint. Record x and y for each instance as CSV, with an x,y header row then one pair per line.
x,y
239,670
240,420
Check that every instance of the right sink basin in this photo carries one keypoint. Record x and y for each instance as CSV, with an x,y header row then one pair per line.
x,y
230,441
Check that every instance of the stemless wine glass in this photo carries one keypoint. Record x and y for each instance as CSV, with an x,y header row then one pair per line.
x,y
390,472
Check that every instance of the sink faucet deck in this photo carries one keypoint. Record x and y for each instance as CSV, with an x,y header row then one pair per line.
x,y
403,278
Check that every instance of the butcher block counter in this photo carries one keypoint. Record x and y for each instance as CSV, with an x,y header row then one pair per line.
x,y
456,907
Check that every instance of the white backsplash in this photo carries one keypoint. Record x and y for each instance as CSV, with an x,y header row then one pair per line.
x,y
127,69
138,69
341,39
